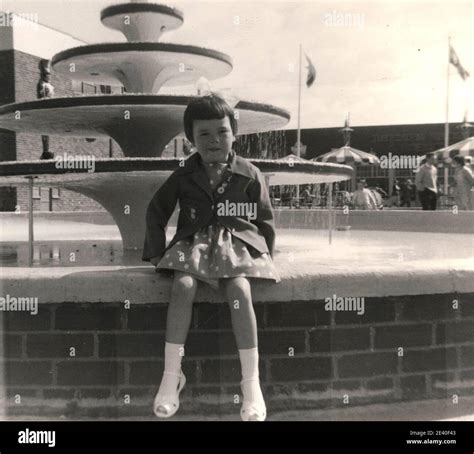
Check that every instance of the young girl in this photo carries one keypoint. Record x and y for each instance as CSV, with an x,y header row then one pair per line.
x,y
225,235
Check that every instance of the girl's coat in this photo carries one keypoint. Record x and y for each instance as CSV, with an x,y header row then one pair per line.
x,y
189,185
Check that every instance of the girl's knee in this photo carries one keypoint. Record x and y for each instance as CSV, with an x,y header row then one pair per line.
x,y
237,282
184,281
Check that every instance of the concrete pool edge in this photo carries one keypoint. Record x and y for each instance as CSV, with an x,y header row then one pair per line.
x,y
140,284
308,278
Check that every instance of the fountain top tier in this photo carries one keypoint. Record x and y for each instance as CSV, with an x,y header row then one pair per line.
x,y
142,65
142,21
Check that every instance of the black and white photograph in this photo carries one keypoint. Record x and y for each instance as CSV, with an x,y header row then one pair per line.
x,y
225,212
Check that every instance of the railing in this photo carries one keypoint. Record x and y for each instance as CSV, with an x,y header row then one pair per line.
x,y
339,199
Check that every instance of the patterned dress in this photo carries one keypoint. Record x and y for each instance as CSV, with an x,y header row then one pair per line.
x,y
213,253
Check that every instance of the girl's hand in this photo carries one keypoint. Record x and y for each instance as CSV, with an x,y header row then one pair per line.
x,y
155,260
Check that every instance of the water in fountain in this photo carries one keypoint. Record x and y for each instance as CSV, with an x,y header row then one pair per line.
x,y
302,239
266,145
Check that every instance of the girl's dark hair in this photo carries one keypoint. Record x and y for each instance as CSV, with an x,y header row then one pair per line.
x,y
460,160
210,107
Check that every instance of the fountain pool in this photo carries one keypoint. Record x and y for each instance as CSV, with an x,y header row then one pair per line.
x,y
101,245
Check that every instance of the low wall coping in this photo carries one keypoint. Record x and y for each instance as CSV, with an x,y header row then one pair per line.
x,y
140,284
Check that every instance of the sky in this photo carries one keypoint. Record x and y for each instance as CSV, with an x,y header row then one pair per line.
x,y
383,62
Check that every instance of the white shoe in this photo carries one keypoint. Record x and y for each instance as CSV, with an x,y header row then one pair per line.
x,y
252,410
166,405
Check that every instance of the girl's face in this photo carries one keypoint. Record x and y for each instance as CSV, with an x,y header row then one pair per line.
x,y
213,139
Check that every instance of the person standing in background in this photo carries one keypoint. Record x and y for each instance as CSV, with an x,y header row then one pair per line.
x,y
395,199
307,197
426,183
363,199
463,183
405,193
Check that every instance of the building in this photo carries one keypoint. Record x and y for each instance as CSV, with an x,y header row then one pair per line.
x,y
386,140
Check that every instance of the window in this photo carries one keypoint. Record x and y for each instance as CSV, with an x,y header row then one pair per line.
x,y
105,89
36,192
55,193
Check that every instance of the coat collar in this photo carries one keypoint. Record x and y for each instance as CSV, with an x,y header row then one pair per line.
x,y
237,165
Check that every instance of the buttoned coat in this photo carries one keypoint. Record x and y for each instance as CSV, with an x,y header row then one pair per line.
x,y
198,202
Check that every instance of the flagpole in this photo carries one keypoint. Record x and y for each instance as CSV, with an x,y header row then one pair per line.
x,y
446,125
298,131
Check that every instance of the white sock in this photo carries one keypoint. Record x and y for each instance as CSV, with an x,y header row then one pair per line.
x,y
173,356
249,361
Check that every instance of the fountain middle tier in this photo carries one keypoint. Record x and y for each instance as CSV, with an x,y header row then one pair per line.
x,y
141,124
141,67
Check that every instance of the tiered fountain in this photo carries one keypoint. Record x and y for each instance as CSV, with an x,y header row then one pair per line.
x,y
141,121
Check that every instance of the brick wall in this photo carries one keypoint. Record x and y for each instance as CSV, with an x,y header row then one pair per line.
x,y
8,196
7,138
310,358
68,201
7,85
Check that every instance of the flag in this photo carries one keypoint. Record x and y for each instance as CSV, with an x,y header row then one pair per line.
x,y
454,59
311,72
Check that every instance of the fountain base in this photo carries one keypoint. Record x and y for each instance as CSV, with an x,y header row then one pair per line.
x,y
309,359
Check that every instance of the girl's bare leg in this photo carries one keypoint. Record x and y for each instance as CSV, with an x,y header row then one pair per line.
x,y
244,323
180,308
177,326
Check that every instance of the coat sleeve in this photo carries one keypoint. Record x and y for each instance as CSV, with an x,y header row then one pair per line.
x,y
264,221
159,211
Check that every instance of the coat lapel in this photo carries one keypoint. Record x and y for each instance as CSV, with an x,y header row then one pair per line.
x,y
193,165
236,166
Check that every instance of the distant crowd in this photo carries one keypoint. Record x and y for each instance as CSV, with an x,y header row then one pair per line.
x,y
424,191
